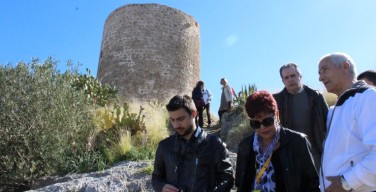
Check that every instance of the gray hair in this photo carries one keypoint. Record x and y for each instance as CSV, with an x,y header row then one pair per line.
x,y
338,58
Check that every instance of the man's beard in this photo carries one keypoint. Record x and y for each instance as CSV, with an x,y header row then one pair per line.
x,y
187,132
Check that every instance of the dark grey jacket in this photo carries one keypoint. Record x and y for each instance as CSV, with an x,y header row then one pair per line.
x,y
318,114
202,164
294,157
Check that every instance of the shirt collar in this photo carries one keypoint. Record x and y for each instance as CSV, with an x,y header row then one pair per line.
x,y
197,132
301,89
358,84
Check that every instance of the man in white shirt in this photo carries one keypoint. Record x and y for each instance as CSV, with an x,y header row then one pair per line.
x,y
349,157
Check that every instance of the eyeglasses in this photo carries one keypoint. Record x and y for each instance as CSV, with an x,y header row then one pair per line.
x,y
267,121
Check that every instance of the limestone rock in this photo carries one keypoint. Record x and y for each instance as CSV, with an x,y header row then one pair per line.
x,y
123,177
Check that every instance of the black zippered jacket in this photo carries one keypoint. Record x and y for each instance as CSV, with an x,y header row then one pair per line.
x,y
318,114
201,164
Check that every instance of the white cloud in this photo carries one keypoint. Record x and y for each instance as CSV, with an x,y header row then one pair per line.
x,y
232,39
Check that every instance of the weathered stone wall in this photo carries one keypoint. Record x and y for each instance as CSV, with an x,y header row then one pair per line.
x,y
150,51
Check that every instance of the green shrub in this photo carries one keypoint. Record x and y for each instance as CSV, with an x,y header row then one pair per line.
x,y
244,93
101,94
51,124
44,123
148,170
85,162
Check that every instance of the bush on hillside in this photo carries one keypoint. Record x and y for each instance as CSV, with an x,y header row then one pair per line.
x,y
99,93
243,94
49,124
44,122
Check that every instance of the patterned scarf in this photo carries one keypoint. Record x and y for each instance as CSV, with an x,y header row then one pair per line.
x,y
267,182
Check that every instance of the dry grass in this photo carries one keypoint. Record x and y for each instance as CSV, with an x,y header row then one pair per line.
x,y
156,123
330,98
120,143
238,133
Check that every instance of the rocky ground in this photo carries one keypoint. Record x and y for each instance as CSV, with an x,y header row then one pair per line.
x,y
127,176
123,177
215,130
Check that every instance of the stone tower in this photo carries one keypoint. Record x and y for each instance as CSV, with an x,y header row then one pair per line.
x,y
150,51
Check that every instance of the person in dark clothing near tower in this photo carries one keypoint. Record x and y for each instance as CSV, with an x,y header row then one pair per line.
x,y
198,99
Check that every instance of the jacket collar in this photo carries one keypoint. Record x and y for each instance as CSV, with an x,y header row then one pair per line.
x,y
198,135
283,138
307,89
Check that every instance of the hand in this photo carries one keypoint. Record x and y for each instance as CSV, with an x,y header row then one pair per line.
x,y
169,188
336,185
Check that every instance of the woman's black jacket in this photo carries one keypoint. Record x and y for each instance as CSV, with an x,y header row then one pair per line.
x,y
294,157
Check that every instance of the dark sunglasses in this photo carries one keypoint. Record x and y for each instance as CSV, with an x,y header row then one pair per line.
x,y
267,121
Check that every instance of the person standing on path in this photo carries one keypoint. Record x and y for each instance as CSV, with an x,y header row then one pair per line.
x,y
226,98
198,99
207,96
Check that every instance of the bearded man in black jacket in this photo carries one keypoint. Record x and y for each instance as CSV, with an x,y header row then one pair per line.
x,y
190,160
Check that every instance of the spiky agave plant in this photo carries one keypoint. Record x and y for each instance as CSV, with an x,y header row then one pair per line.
x,y
244,93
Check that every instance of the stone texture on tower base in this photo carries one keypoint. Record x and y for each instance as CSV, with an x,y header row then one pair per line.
x,y
150,52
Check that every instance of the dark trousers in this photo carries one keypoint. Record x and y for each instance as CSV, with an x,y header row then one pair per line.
x,y
207,107
200,117
220,113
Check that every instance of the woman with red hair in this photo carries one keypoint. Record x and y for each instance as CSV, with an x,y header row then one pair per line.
x,y
273,158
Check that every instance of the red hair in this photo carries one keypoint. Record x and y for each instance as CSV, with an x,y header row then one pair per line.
x,y
260,102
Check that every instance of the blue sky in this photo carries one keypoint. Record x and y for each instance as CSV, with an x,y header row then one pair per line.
x,y
245,41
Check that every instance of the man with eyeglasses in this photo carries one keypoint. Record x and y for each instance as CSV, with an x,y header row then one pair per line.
x,y
273,158
302,109
190,160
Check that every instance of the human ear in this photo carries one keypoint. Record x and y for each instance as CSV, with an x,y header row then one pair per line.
x,y
194,114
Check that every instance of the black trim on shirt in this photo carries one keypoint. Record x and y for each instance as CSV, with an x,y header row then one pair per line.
x,y
351,93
